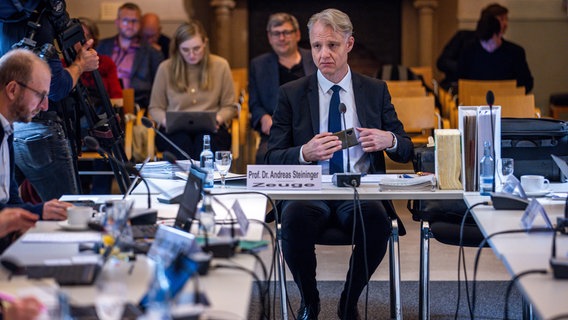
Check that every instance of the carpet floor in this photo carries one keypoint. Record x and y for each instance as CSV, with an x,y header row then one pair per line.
x,y
490,301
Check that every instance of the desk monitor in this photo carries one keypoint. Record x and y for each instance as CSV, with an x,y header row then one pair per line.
x,y
191,121
190,199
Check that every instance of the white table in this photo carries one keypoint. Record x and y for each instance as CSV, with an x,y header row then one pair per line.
x,y
215,284
527,251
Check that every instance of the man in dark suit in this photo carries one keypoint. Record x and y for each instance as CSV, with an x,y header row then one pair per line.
x,y
269,71
301,134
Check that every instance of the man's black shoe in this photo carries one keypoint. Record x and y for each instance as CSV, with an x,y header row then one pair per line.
x,y
308,311
352,314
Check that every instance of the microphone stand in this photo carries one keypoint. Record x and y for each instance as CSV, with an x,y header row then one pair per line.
x,y
490,98
346,179
150,125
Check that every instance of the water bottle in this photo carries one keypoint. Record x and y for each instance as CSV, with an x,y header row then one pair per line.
x,y
206,161
486,170
207,215
159,294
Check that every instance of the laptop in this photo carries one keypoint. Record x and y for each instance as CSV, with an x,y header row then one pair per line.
x,y
191,121
187,207
562,165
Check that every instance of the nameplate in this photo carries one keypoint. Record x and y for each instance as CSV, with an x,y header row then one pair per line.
x,y
535,216
283,177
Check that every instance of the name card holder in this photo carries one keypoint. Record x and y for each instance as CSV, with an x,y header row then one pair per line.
x,y
533,211
284,177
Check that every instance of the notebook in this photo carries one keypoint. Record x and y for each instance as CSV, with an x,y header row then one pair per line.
x,y
191,122
187,207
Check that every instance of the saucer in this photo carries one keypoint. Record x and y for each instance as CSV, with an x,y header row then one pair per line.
x,y
66,226
540,193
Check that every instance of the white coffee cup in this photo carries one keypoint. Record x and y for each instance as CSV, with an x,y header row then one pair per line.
x,y
79,216
534,183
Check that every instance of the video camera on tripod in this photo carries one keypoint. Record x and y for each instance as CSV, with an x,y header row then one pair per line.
x,y
67,32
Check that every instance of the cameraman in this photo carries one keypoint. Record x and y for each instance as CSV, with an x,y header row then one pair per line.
x,y
42,147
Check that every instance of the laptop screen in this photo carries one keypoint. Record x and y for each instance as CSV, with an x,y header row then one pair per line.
x,y
191,121
190,199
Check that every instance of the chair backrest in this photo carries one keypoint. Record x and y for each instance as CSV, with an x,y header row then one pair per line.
x,y
515,106
407,92
404,83
416,113
468,88
426,73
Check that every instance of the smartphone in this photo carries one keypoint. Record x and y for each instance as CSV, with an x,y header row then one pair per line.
x,y
347,137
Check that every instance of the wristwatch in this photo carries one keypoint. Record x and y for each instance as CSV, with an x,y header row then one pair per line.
x,y
393,140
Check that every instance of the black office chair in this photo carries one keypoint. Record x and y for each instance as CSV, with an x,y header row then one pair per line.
x,y
336,237
440,220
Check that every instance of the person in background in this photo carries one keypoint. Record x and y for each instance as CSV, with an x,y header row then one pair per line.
x,y
193,79
152,33
101,184
136,60
491,57
301,133
43,147
448,60
269,71
24,87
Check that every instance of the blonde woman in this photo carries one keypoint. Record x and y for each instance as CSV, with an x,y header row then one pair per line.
x,y
193,79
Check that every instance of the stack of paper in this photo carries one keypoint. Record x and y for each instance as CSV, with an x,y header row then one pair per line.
x,y
164,169
408,183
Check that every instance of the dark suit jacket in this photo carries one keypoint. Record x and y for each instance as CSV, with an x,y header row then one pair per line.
x,y
296,121
264,83
144,68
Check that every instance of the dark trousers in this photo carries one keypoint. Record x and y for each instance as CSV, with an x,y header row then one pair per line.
x,y
304,221
262,148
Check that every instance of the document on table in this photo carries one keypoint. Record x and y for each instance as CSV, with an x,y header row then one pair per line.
x,y
61,237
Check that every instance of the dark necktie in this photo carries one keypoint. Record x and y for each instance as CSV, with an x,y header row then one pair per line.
x,y
334,125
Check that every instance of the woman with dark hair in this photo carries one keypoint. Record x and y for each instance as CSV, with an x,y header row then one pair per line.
x,y
193,79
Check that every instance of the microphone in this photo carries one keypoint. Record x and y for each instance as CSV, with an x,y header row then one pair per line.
x,y
138,216
150,125
490,99
346,179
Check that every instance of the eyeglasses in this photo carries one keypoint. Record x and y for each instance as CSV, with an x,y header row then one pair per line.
x,y
40,95
285,33
194,50
126,21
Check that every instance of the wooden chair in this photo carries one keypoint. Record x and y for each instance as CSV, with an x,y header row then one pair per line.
x,y
516,106
407,92
468,88
418,115
426,73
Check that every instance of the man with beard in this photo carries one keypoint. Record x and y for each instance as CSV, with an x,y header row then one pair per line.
x,y
24,87
136,61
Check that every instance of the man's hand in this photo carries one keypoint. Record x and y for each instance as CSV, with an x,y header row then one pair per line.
x,y
372,140
55,210
266,124
321,147
16,219
27,308
87,58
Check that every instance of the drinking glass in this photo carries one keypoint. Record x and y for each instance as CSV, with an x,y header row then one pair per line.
x,y
111,290
507,168
222,164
